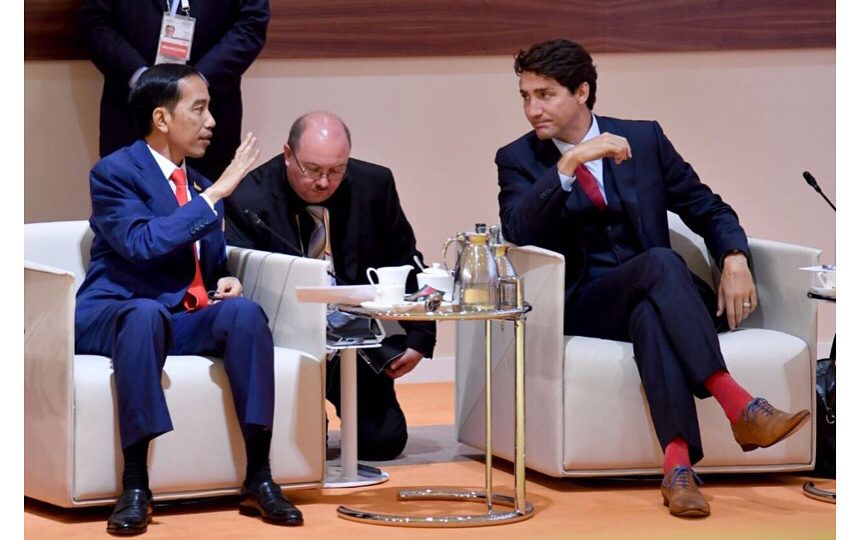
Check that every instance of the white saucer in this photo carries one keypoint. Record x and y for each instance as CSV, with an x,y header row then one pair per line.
x,y
397,308
828,292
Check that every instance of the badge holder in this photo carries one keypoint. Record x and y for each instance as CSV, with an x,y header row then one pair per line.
x,y
175,38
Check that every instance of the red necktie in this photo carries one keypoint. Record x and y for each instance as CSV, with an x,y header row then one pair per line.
x,y
196,295
590,186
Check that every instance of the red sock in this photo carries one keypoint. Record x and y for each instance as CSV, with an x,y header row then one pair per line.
x,y
676,454
732,397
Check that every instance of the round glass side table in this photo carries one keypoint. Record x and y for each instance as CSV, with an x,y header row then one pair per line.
x,y
517,508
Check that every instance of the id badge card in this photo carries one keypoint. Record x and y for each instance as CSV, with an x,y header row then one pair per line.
x,y
175,39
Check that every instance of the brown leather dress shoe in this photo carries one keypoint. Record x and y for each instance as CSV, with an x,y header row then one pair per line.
x,y
763,425
681,495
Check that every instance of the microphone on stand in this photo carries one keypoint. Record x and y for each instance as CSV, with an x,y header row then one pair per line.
x,y
257,222
809,178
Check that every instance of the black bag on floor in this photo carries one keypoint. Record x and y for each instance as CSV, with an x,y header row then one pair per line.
x,y
825,463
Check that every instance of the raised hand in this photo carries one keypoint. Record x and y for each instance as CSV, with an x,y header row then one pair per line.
x,y
605,145
245,156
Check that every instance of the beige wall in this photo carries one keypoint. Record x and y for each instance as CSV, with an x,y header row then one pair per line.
x,y
749,122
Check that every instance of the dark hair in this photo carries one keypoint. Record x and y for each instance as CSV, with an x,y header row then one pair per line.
x,y
299,125
562,60
156,87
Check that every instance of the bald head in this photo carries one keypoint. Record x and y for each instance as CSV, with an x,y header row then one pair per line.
x,y
322,126
316,155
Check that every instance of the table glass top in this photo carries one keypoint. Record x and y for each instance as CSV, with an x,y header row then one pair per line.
x,y
445,312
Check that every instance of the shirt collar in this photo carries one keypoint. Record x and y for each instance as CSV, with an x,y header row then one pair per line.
x,y
593,132
167,166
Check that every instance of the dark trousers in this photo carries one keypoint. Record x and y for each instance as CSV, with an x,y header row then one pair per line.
x,y
138,334
653,302
381,426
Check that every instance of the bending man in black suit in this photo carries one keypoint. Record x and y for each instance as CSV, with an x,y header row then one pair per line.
x,y
122,39
367,228
597,190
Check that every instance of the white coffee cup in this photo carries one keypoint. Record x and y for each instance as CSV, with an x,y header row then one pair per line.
x,y
391,283
440,279
826,280
388,295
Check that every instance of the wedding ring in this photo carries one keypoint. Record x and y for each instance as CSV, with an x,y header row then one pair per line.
x,y
746,304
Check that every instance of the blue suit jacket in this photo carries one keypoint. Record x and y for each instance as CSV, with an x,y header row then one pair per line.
x,y
534,209
143,238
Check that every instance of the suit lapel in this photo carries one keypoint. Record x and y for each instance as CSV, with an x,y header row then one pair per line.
x,y
547,152
548,155
163,201
624,176
353,230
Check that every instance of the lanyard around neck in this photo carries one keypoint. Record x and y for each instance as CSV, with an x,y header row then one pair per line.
x,y
172,6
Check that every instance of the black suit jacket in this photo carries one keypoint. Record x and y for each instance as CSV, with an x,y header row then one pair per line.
x,y
369,228
534,209
122,35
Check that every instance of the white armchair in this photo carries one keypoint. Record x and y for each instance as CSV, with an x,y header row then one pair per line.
x,y
586,414
72,454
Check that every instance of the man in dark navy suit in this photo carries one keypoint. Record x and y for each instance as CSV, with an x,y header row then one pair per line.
x,y
122,38
597,190
158,249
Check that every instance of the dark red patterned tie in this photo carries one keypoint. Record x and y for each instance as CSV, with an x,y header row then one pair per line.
x,y
590,186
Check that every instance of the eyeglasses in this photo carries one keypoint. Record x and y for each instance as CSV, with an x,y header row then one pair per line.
x,y
314,173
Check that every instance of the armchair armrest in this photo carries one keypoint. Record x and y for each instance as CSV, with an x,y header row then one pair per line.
x,y
781,289
270,279
543,272
49,349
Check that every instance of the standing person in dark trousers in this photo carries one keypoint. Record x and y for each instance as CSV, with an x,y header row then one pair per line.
x,y
123,39
313,192
597,190
158,248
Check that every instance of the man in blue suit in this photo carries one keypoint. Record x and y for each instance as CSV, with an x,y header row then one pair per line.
x,y
158,249
597,190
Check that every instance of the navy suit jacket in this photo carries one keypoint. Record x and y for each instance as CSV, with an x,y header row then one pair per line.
x,y
534,209
143,239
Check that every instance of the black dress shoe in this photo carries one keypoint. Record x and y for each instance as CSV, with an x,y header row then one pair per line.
x,y
268,501
132,513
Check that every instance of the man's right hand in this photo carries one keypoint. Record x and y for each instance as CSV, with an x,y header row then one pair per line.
x,y
605,145
243,159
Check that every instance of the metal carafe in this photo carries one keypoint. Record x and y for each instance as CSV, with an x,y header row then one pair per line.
x,y
507,293
475,272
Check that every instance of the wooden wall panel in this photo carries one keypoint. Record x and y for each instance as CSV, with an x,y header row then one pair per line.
x,y
379,28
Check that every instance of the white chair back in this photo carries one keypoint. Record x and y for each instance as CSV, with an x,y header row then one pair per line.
x,y
61,244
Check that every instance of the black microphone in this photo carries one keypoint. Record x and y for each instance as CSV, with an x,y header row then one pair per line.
x,y
257,222
813,183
